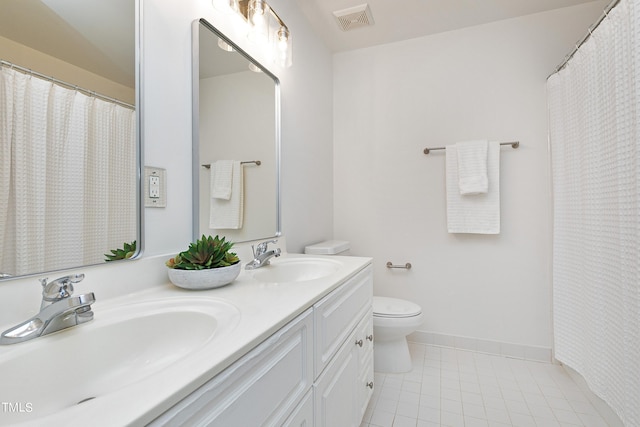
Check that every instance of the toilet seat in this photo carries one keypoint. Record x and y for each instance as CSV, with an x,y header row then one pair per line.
x,y
394,308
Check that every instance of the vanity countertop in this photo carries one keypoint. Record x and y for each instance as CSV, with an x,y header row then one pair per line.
x,y
264,308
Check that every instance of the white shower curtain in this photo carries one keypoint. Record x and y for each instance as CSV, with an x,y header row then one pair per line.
x,y
67,175
594,114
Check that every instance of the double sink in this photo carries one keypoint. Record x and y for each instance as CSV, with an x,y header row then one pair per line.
x,y
133,344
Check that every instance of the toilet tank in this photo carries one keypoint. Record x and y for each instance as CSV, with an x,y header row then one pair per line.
x,y
328,247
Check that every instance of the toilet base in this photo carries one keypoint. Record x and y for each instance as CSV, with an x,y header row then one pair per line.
x,y
392,356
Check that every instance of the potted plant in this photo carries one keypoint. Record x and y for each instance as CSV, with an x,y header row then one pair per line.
x,y
208,263
126,252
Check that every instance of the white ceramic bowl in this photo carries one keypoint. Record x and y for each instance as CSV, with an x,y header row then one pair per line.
x,y
204,279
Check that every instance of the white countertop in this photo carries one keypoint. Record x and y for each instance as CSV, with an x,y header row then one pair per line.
x,y
264,308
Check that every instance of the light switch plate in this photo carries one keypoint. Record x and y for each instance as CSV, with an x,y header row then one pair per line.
x,y
155,195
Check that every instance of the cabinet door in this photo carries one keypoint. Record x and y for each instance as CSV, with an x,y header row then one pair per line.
x,y
260,389
364,386
337,314
335,394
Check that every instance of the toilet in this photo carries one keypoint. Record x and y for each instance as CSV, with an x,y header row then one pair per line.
x,y
393,320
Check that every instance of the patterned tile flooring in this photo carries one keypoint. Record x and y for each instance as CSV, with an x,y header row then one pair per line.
x,y
458,388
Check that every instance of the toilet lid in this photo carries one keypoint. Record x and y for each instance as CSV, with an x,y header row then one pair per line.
x,y
394,307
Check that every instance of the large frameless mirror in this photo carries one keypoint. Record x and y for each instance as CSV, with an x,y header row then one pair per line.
x,y
236,141
69,134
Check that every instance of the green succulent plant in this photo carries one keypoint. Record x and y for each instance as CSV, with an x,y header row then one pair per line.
x,y
205,253
126,252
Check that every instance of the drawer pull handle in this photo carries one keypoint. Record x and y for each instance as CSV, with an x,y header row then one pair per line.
x,y
359,343
370,337
370,385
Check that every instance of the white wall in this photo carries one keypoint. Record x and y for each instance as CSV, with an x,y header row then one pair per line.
x,y
392,101
307,206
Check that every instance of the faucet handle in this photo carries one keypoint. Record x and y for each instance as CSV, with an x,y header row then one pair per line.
x,y
262,247
60,288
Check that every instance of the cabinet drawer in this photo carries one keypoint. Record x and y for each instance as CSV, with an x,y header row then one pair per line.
x,y
336,316
302,416
260,389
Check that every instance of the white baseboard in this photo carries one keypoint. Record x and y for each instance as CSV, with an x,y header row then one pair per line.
x,y
518,351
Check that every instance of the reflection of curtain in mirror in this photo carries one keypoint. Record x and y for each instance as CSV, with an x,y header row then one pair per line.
x,y
67,175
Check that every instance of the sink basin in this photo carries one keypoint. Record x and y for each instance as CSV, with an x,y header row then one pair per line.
x,y
296,270
121,346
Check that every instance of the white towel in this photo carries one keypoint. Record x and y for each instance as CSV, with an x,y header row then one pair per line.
x,y
229,213
477,214
221,175
472,167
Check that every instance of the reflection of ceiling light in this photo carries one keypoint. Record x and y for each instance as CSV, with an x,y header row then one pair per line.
x,y
253,67
224,45
275,39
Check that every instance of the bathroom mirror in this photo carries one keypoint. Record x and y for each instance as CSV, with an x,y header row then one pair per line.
x,y
236,141
70,156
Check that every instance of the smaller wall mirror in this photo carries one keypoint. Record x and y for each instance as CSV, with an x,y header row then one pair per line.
x,y
236,141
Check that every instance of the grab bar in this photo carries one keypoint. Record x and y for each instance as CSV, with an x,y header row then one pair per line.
x,y
391,265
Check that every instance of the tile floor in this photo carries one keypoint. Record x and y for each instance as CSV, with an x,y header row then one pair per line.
x,y
458,388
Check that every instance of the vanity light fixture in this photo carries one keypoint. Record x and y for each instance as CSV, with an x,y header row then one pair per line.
x,y
226,6
259,16
283,47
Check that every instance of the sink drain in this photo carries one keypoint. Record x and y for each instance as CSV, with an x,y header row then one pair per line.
x,y
85,400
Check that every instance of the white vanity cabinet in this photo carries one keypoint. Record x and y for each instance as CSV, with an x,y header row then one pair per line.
x,y
315,371
344,353
337,314
343,390
261,389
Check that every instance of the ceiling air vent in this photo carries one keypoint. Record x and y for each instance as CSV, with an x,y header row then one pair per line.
x,y
354,17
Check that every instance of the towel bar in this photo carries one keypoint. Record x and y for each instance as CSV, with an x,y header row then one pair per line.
x,y
513,144
391,265
257,162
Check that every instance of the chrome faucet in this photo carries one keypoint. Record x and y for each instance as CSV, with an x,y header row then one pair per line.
x,y
58,310
261,256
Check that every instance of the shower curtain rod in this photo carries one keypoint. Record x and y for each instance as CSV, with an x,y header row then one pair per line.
x,y
68,85
567,58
